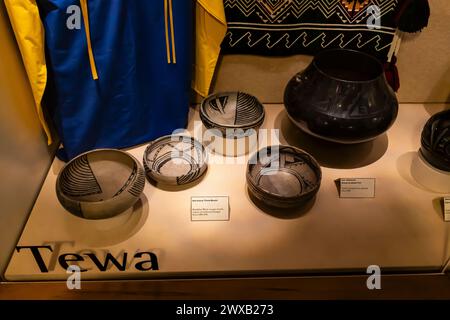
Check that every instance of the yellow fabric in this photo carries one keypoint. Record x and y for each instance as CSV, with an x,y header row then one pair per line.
x,y
166,27
29,31
172,33
85,12
170,43
211,27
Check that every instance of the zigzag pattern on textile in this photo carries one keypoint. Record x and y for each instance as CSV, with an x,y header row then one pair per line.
x,y
277,11
303,38
283,27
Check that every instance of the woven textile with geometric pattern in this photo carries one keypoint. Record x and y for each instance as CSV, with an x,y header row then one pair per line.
x,y
285,27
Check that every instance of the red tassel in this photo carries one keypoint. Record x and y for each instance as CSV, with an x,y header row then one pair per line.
x,y
391,72
413,15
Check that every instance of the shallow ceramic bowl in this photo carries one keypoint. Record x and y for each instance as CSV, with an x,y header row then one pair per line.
x,y
175,160
100,184
233,119
283,176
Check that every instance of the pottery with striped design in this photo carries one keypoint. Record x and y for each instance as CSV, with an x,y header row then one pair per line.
x,y
233,118
100,184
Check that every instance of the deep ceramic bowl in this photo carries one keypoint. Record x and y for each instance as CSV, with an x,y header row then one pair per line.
x,y
233,119
230,111
436,141
283,176
342,96
100,184
175,160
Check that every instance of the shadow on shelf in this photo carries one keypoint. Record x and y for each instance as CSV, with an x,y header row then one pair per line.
x,y
432,108
330,154
109,232
404,168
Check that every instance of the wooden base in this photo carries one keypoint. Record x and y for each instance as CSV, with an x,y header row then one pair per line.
x,y
414,286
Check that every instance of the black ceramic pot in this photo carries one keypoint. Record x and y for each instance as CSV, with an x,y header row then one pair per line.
x,y
342,96
283,176
436,141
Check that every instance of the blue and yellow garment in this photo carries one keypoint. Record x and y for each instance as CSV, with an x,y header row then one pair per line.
x,y
121,79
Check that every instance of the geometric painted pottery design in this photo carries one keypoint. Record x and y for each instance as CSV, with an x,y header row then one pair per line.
x,y
342,96
232,110
100,184
436,141
283,176
175,160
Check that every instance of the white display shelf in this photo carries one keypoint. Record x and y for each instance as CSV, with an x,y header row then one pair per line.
x,y
401,229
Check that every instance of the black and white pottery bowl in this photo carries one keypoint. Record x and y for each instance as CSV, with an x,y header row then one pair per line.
x,y
232,110
175,160
100,184
283,176
233,118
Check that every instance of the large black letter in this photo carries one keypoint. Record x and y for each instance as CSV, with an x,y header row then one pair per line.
x,y
56,245
153,262
37,256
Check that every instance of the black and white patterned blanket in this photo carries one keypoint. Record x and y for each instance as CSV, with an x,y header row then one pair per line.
x,y
285,27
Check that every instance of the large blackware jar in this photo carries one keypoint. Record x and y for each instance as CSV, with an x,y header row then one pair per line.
x,y
342,96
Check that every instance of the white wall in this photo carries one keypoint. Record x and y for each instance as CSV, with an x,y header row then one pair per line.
x,y
24,155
